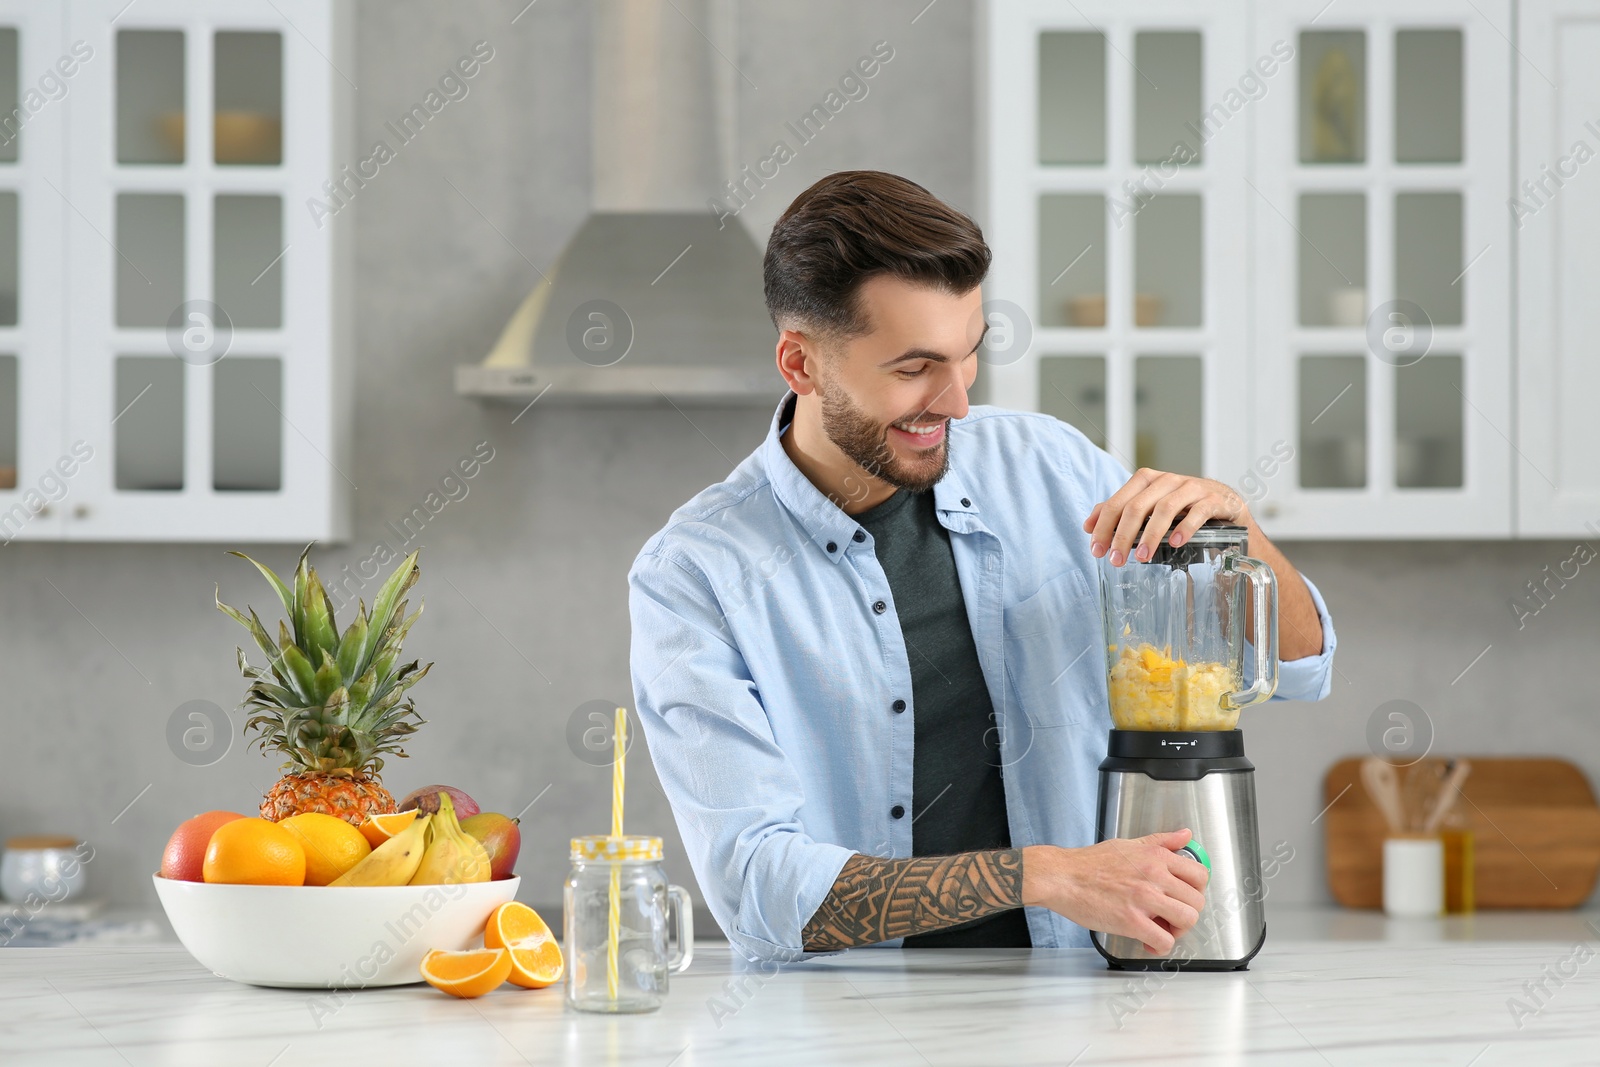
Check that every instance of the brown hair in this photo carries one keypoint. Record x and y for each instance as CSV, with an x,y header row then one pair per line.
x,y
855,225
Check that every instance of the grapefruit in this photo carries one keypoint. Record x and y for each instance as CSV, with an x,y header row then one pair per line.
x,y
185,854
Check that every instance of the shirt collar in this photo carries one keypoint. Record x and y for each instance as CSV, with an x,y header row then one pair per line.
x,y
825,521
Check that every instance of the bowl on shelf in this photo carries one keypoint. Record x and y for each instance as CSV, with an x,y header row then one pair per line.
x,y
326,937
238,137
1089,310
1347,306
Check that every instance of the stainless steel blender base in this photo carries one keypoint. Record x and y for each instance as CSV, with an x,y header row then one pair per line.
x,y
1219,807
1170,963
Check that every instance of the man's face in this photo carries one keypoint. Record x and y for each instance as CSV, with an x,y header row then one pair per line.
x,y
888,396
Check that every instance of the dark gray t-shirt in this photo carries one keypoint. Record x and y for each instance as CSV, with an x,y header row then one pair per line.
x,y
958,800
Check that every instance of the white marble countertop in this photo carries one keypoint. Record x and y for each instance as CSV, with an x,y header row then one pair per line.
x,y
1329,988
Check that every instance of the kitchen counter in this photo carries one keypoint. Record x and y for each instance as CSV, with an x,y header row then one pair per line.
x,y
1332,987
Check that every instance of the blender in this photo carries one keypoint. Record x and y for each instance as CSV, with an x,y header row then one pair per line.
x,y
1177,629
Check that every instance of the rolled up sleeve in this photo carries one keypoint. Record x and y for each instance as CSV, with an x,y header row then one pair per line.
x,y
734,793
1310,677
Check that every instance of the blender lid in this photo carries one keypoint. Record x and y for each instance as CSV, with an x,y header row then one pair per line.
x,y
1211,535
1212,532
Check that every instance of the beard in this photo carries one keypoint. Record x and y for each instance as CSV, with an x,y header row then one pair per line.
x,y
866,442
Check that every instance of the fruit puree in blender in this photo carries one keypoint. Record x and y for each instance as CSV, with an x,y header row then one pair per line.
x,y
1152,691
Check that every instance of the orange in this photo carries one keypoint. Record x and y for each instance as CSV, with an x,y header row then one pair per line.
x,y
379,828
254,852
332,845
535,957
466,974
185,855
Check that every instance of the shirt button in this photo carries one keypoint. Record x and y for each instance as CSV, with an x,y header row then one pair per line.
x,y
860,536
832,547
898,705
898,811
880,607
965,502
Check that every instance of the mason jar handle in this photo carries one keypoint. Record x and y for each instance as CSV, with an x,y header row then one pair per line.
x,y
679,961
1264,587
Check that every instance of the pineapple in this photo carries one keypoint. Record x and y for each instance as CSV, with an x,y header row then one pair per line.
x,y
331,705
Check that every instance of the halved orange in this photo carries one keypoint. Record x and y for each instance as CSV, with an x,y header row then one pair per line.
x,y
466,974
535,956
379,828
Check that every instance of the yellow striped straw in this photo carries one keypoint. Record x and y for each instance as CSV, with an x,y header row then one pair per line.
x,y
614,902
618,770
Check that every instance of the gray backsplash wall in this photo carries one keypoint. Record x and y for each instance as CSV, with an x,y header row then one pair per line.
x,y
524,578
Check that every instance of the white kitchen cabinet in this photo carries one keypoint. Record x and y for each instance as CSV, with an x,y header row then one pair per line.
x,y
1382,269
1556,211
199,349
33,93
1116,225
1351,156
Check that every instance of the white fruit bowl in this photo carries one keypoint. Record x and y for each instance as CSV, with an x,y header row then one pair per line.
x,y
326,937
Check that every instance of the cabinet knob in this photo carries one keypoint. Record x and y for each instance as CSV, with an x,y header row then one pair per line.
x,y
80,511
44,512
1270,511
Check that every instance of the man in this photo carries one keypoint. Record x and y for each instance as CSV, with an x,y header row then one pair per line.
x,y
865,663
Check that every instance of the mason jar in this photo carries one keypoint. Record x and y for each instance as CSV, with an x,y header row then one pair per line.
x,y
618,894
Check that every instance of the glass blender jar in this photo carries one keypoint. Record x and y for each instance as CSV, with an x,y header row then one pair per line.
x,y
1176,630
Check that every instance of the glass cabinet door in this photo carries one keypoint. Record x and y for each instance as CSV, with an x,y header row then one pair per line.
x,y
206,377
1382,340
1117,159
37,471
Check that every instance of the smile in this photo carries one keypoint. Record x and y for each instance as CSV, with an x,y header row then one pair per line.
x,y
922,435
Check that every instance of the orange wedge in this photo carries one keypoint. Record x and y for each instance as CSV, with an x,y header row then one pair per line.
x,y
466,974
535,956
379,828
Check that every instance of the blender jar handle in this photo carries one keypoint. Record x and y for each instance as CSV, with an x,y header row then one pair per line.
x,y
1264,589
679,961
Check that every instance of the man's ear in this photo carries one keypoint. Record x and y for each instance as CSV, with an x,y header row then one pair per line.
x,y
798,358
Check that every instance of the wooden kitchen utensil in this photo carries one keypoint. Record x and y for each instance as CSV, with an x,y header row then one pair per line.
x,y
1535,826
1383,788
1446,797
1421,784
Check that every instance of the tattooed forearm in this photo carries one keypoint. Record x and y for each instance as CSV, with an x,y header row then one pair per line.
x,y
876,900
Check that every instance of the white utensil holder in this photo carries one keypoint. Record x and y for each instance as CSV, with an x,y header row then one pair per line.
x,y
1413,876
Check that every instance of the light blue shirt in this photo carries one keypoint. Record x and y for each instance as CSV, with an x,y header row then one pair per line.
x,y
767,659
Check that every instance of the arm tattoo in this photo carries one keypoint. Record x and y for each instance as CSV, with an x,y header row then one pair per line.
x,y
876,900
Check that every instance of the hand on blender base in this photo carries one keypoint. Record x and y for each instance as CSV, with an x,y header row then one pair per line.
x,y
1141,887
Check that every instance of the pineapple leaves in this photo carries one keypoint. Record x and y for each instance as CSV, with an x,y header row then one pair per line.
x,y
320,635
393,588
300,672
384,664
265,694
361,690
328,680
271,576
331,703
405,627
297,613
253,624
337,708
350,648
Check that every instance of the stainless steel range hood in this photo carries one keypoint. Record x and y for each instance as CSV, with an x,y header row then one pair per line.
x,y
654,297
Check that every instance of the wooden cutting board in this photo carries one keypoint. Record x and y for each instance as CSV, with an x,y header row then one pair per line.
x,y
1535,823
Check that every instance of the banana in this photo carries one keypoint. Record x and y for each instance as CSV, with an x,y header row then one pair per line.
x,y
452,855
394,861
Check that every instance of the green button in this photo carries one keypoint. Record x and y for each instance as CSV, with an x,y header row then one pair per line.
x,y
1198,851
